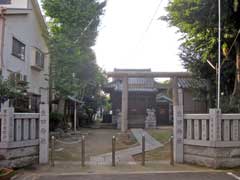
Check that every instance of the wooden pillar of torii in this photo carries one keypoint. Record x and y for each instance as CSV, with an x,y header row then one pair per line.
x,y
177,103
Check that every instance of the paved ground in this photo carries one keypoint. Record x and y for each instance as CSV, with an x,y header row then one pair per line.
x,y
126,155
150,176
98,141
163,136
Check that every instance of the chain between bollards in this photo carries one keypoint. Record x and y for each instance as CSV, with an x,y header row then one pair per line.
x,y
52,150
143,150
171,152
113,151
83,151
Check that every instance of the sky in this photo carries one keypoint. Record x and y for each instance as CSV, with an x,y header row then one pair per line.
x,y
126,40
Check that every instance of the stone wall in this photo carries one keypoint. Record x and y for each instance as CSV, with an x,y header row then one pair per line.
x,y
151,121
214,157
212,139
19,156
23,137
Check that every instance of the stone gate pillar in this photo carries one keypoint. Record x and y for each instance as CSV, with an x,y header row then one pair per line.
x,y
44,134
124,120
7,134
177,122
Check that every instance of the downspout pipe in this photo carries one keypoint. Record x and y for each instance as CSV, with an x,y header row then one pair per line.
x,y
3,19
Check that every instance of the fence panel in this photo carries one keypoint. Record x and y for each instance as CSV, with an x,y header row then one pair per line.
x,y
235,130
213,129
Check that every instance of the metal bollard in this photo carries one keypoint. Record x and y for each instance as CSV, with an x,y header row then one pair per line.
x,y
143,150
113,150
83,151
52,150
171,151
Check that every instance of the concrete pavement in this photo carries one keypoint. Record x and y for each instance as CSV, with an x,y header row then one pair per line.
x,y
125,156
148,176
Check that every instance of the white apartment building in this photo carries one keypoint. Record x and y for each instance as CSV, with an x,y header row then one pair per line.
x,y
23,47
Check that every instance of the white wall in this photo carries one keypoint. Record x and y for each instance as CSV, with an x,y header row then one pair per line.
x,y
26,29
16,4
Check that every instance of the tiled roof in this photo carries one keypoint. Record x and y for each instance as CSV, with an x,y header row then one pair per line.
x,y
185,83
136,84
160,97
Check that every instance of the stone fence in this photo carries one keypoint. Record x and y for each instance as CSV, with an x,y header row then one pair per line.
x,y
23,138
212,139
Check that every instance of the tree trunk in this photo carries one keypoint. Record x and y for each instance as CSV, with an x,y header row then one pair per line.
x,y
236,91
234,100
65,114
61,110
61,105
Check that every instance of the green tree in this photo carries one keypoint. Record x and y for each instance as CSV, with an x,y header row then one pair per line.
x,y
73,30
197,21
12,90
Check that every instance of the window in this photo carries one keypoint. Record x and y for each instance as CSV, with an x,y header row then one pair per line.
x,y
17,77
18,49
34,103
39,57
5,1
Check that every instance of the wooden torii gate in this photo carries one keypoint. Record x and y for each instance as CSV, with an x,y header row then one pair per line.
x,y
177,103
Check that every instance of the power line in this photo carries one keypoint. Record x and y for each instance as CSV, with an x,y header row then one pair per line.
x,y
154,14
147,28
150,23
219,55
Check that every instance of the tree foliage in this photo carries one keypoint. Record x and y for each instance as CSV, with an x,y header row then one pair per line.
x,y
73,30
13,90
197,21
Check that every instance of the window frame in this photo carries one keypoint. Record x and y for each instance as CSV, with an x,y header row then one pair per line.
x,y
41,60
22,55
6,2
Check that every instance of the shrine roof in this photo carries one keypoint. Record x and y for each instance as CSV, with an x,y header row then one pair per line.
x,y
186,83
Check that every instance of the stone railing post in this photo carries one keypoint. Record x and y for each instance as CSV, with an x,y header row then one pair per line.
x,y
215,125
7,113
44,134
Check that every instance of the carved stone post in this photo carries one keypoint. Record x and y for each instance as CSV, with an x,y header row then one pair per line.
x,y
44,134
215,125
178,122
7,123
124,122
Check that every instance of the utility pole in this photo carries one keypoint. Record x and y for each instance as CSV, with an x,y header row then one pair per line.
x,y
219,55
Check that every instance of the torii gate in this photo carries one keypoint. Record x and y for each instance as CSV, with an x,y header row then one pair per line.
x,y
177,103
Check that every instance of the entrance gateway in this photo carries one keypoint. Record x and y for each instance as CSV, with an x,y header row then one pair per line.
x,y
177,103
